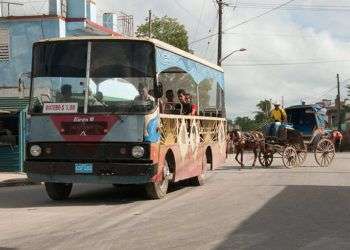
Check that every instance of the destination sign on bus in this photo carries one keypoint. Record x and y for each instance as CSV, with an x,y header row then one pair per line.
x,y
60,107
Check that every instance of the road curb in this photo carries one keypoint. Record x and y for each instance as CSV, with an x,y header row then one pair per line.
x,y
17,182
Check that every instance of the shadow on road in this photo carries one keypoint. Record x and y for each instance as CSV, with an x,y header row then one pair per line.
x,y
307,217
82,195
235,167
297,170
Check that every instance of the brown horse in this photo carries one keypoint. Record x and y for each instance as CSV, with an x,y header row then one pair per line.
x,y
246,141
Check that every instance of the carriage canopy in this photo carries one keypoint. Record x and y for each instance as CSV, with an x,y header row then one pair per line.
x,y
306,118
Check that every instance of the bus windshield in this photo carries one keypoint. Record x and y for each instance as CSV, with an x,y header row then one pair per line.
x,y
118,76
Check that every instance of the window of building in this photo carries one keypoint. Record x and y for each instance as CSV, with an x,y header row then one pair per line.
x,y
4,45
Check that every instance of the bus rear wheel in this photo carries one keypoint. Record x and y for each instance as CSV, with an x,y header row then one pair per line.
x,y
58,191
200,179
157,190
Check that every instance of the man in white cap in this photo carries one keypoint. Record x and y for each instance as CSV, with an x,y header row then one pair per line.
x,y
278,114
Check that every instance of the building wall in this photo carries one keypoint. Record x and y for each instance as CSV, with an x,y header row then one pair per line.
x,y
23,33
77,9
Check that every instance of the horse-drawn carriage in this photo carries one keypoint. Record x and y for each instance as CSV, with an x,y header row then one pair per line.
x,y
304,132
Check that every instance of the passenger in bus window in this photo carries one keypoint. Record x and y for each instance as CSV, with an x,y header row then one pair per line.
x,y
66,93
169,105
194,107
186,107
143,94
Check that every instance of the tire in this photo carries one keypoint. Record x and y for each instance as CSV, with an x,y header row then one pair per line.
x,y
265,158
158,190
302,155
58,191
290,157
200,179
324,152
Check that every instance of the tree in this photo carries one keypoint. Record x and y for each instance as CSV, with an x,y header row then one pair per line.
x,y
262,117
166,29
246,123
263,113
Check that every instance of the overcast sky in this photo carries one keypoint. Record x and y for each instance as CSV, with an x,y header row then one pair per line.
x,y
308,38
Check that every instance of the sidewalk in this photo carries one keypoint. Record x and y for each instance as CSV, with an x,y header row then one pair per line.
x,y
14,179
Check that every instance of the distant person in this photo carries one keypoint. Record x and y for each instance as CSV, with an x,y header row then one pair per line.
x,y
337,138
278,114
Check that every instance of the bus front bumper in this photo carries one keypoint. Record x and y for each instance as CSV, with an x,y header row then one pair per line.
x,y
102,173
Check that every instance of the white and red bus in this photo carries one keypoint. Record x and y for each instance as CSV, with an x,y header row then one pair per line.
x,y
98,114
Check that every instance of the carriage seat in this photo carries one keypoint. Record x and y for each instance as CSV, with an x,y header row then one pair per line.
x,y
275,131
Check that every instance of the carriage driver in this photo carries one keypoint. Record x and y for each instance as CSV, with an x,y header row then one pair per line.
x,y
278,114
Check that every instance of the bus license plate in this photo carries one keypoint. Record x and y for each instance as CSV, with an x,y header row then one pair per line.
x,y
83,168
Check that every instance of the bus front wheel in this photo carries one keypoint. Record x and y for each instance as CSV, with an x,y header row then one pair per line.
x,y
58,191
157,190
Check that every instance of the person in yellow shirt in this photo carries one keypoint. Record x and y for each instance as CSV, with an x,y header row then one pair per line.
x,y
278,114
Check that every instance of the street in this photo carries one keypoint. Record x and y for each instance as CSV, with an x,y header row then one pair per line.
x,y
277,208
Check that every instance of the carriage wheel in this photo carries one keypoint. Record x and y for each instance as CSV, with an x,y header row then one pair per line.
x,y
265,158
290,157
324,152
302,154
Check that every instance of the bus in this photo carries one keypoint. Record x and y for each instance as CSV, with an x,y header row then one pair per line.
x,y
98,113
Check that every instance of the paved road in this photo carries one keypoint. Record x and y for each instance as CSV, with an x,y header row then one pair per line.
x,y
304,208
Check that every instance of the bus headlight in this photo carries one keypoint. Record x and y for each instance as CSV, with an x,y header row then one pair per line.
x,y
35,150
137,151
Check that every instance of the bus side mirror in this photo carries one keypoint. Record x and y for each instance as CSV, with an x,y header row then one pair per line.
x,y
158,91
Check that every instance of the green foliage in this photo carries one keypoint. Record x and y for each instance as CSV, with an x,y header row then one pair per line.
x,y
262,117
166,29
246,123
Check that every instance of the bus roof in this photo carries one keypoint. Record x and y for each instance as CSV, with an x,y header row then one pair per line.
x,y
156,42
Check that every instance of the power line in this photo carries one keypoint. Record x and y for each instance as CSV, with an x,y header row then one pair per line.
x,y
302,7
324,93
189,13
200,18
211,39
260,15
285,64
246,21
278,34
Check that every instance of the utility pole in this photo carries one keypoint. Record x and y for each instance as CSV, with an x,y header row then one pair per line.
x,y
338,103
220,9
149,23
